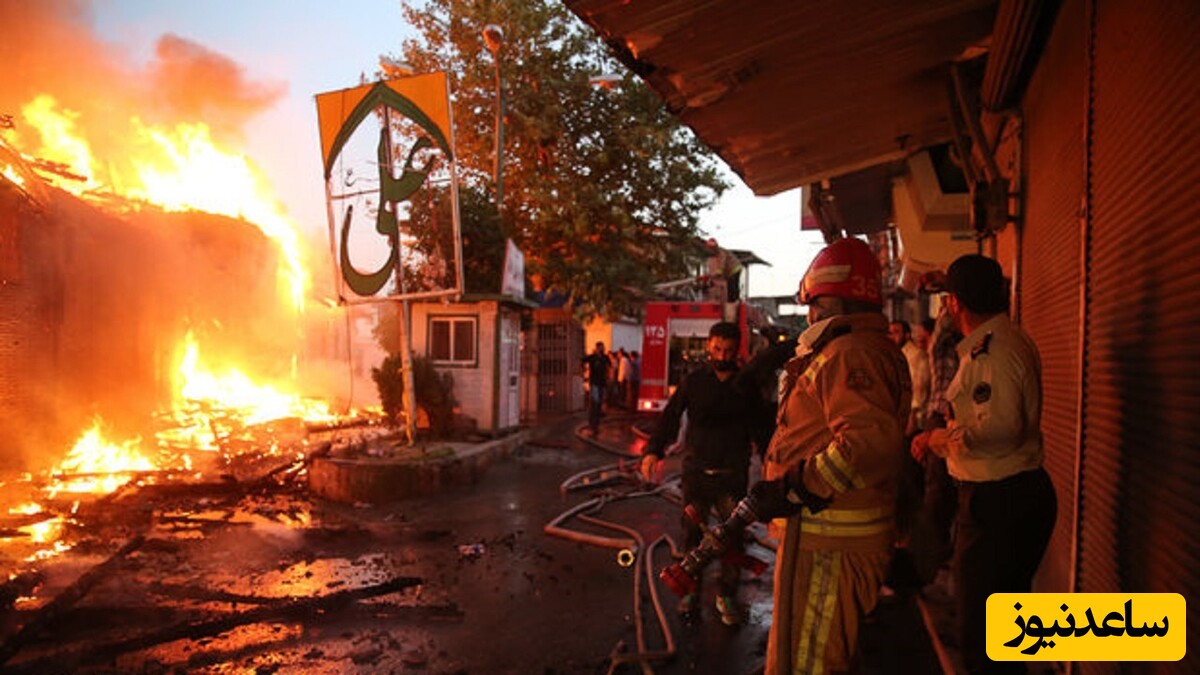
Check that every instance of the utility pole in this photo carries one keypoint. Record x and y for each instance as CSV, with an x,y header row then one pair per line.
x,y
493,38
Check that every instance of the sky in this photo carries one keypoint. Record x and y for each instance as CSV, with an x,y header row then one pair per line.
x,y
296,49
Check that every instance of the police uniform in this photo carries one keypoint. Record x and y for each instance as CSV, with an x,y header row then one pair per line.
x,y
846,399
1006,507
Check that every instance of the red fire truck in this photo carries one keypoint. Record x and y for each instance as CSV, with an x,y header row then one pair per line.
x,y
673,342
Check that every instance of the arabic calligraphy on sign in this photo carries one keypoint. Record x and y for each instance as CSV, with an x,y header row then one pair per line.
x,y
1086,626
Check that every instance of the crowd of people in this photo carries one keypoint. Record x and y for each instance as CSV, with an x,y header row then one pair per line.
x,y
880,442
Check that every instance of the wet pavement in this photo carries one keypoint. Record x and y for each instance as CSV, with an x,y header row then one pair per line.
x,y
465,581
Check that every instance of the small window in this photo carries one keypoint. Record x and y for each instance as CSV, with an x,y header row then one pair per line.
x,y
452,340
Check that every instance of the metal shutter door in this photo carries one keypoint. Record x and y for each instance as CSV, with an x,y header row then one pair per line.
x,y
1051,263
1141,463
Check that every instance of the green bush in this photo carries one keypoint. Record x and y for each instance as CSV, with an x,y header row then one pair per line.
x,y
435,393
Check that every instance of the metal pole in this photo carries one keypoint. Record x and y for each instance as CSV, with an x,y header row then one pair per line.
x,y
499,170
493,39
407,398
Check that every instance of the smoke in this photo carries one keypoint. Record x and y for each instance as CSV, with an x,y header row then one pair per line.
x,y
50,47
191,81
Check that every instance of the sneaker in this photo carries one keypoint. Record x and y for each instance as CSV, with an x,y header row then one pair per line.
x,y
731,610
687,604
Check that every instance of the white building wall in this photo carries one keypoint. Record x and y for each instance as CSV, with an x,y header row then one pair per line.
x,y
622,334
474,386
627,336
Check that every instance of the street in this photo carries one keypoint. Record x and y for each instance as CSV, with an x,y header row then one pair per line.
x,y
482,588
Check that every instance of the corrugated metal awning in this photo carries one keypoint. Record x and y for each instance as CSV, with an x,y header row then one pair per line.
x,y
790,93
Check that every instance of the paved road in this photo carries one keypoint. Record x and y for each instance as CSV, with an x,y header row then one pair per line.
x,y
520,602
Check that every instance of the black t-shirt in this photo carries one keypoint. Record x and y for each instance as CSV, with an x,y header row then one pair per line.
x,y
597,369
723,417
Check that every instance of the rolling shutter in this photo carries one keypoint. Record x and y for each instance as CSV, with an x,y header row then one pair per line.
x,y
1142,371
1051,263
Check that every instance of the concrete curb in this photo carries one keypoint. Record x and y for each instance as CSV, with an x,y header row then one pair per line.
x,y
377,480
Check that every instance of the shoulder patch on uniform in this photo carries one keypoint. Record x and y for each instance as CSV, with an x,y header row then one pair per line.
x,y
981,348
858,378
982,392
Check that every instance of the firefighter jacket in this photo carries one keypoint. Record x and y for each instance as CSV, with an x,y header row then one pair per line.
x,y
846,399
996,404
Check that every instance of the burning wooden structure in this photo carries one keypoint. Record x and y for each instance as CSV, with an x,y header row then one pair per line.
x,y
93,305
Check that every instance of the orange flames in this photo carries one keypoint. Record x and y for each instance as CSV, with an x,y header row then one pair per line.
x,y
97,465
205,400
232,390
179,168
127,137
175,168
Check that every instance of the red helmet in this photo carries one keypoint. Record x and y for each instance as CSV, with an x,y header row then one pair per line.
x,y
848,269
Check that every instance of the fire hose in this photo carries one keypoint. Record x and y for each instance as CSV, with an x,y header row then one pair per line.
x,y
718,542
631,549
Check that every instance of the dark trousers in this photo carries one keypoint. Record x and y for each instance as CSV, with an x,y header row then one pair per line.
x,y
595,407
705,491
1004,527
930,538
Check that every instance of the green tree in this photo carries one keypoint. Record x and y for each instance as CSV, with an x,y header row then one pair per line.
x,y
602,187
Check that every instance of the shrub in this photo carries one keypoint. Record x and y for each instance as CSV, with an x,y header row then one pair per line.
x,y
434,390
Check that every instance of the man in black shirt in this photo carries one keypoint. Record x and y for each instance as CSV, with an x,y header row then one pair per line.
x,y
595,369
723,411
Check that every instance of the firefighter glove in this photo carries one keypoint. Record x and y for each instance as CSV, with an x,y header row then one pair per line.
x,y
782,498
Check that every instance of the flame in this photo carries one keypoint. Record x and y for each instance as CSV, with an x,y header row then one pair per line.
x,y
61,142
27,509
95,465
11,174
176,168
232,390
191,172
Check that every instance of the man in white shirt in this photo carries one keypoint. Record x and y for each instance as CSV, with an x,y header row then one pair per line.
x,y
918,367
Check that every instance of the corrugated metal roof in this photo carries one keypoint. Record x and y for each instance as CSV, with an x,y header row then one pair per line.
x,y
791,92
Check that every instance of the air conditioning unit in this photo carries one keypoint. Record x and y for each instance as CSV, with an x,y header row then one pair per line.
x,y
931,207
938,190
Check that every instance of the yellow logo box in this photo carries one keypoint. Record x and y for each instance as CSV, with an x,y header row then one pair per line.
x,y
1086,627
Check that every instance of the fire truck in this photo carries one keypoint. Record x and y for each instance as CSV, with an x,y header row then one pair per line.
x,y
673,343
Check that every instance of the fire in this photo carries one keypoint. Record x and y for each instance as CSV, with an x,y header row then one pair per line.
x,y
189,171
233,391
60,141
95,465
177,168
11,174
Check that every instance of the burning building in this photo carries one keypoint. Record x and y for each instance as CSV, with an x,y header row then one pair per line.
x,y
94,306
150,281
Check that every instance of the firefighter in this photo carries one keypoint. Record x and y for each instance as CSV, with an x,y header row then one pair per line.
x,y
840,437
993,448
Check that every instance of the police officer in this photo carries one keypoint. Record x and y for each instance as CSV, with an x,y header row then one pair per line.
x,y
839,441
993,448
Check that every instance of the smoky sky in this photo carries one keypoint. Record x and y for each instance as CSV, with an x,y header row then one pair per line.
x,y
49,47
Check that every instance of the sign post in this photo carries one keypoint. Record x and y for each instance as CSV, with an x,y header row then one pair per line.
x,y
415,214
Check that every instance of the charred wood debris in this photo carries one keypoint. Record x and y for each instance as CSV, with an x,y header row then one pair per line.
x,y
136,567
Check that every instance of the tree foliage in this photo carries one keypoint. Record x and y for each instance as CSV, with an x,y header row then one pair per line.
x,y
602,188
